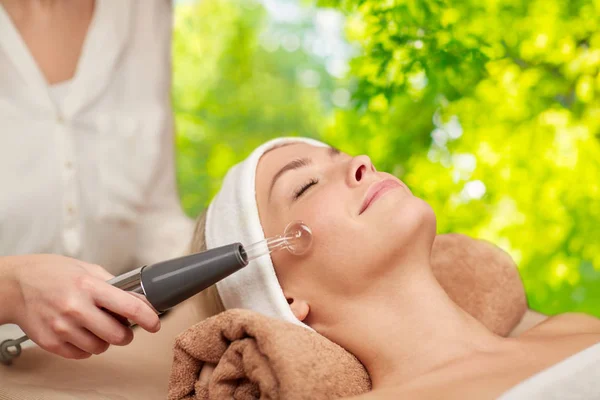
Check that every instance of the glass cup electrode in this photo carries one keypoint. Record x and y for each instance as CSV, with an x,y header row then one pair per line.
x,y
296,238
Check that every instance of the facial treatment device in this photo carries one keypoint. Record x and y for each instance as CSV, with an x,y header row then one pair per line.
x,y
168,283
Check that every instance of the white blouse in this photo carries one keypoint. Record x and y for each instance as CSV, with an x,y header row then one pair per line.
x,y
87,170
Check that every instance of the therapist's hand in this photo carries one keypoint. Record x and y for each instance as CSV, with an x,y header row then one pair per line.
x,y
61,301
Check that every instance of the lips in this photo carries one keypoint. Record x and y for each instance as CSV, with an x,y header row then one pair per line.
x,y
376,190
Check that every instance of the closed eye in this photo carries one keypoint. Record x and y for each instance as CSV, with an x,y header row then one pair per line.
x,y
300,191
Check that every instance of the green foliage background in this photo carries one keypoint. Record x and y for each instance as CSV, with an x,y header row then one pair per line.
x,y
489,110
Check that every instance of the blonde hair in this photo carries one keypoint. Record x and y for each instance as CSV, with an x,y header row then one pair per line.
x,y
210,296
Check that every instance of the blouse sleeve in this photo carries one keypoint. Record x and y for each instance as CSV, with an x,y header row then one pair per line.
x,y
164,231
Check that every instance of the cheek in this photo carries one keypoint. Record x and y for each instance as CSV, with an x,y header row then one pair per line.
x,y
335,231
326,213
332,223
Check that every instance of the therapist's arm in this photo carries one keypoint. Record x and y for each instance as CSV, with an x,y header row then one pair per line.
x,y
9,292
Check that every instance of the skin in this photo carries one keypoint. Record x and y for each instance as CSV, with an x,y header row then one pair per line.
x,y
42,24
367,285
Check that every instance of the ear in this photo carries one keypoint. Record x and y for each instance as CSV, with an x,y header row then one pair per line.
x,y
299,307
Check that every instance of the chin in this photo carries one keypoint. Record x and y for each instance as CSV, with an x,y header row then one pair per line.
x,y
409,225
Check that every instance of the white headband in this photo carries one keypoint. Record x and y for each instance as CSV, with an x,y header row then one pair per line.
x,y
233,217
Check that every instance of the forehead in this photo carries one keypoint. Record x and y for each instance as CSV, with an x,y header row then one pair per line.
x,y
276,158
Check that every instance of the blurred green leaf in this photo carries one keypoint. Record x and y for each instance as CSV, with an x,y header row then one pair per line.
x,y
489,110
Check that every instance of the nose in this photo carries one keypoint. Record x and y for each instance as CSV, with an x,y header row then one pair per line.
x,y
359,168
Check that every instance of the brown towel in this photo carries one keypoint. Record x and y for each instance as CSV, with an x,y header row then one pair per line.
x,y
261,357
480,278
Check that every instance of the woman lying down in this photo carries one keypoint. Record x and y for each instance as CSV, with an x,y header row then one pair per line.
x,y
367,284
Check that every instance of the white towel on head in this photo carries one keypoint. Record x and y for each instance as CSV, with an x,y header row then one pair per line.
x,y
233,217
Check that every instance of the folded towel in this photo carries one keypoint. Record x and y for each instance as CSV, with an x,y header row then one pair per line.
x,y
261,357
481,279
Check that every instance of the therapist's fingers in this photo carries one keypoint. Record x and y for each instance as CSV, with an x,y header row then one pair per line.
x,y
144,299
69,331
86,341
125,305
64,349
109,329
67,350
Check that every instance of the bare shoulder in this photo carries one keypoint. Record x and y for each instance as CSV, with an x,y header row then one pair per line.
x,y
567,323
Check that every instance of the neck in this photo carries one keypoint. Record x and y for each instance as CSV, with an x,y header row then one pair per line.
x,y
19,7
26,10
416,328
27,4
30,2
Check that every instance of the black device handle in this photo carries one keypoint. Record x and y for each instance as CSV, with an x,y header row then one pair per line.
x,y
168,283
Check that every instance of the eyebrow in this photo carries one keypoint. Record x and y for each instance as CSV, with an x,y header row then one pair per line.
x,y
297,164
333,151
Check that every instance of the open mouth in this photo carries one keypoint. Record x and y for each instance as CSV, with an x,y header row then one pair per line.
x,y
376,191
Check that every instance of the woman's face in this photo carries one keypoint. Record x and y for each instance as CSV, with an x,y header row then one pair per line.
x,y
364,222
